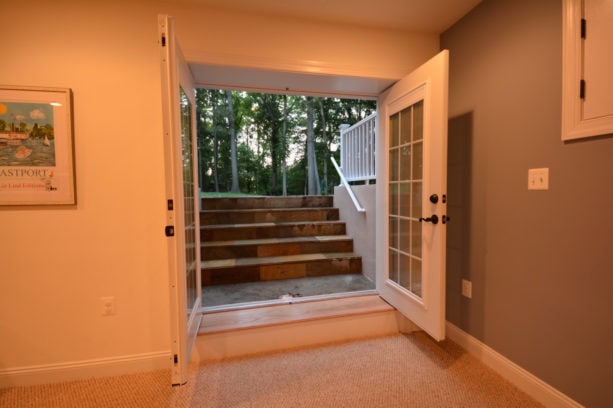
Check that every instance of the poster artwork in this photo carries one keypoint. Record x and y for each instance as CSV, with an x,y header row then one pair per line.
x,y
36,165
27,146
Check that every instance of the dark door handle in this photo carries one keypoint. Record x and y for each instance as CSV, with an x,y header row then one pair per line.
x,y
433,219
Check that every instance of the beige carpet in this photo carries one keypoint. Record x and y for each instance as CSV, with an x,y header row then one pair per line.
x,y
396,371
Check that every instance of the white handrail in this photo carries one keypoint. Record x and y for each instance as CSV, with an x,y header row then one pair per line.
x,y
357,145
348,187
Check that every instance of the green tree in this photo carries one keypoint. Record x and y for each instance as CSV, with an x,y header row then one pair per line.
x,y
278,139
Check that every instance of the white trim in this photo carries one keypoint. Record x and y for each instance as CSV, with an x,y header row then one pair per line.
x,y
83,369
521,378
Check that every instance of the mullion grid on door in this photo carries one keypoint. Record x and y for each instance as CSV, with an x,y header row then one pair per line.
x,y
405,209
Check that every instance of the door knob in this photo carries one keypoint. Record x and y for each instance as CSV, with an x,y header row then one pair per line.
x,y
434,198
433,219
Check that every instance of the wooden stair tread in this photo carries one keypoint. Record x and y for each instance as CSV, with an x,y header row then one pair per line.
x,y
254,210
225,263
267,202
218,322
267,241
267,224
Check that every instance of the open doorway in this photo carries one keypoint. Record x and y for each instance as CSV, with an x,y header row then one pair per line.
x,y
428,83
273,226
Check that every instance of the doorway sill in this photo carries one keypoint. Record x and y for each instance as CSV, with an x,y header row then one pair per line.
x,y
297,311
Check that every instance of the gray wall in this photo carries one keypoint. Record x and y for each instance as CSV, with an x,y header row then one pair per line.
x,y
541,262
360,226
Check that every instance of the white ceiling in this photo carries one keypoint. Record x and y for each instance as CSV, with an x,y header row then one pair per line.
x,y
427,16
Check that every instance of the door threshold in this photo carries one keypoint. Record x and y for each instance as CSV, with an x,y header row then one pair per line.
x,y
284,301
292,313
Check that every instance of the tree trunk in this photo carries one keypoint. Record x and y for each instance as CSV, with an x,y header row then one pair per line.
x,y
274,157
258,153
215,155
324,126
271,111
235,186
313,175
284,147
215,141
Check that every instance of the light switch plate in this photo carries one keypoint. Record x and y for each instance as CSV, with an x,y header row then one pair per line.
x,y
538,179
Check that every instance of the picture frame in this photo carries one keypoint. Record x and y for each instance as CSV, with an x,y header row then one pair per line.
x,y
36,146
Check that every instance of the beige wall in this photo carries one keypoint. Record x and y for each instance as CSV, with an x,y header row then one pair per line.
x,y
540,261
57,262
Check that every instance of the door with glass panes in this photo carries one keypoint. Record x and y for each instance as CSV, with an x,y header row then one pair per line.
x,y
411,195
182,199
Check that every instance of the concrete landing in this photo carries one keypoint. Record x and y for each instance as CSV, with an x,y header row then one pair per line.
x,y
250,292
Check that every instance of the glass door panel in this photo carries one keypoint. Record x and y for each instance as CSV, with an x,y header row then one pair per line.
x,y
189,206
405,187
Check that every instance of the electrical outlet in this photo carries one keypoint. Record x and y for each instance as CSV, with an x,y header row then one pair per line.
x,y
538,179
467,288
108,305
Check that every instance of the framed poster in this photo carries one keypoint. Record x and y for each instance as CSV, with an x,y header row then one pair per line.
x,y
36,146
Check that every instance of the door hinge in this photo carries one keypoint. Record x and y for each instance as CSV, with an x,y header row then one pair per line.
x,y
163,40
176,359
169,230
583,28
582,89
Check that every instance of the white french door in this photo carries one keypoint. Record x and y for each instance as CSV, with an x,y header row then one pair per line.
x,y
182,204
411,195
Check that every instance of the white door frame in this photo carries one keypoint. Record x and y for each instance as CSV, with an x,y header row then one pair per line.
x,y
180,325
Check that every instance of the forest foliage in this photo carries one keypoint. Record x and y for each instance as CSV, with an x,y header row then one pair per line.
x,y
263,144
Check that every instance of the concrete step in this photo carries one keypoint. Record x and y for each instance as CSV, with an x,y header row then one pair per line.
x,y
266,202
244,216
252,248
239,270
230,232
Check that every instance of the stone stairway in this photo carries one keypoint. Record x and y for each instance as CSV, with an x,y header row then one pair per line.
x,y
271,238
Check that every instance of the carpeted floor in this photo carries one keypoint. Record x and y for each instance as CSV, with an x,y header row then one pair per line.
x,y
395,371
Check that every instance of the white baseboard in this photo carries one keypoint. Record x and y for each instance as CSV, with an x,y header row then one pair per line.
x,y
522,379
84,369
